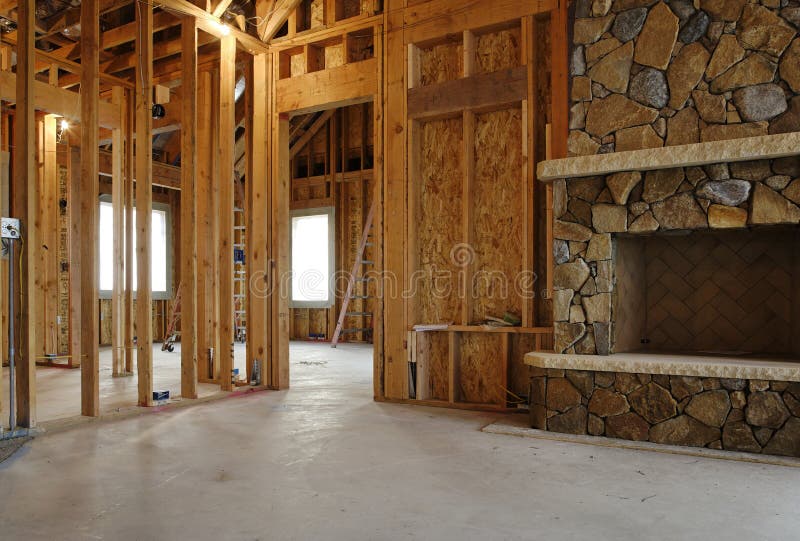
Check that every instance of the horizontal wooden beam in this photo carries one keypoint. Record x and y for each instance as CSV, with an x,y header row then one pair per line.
x,y
438,18
480,91
208,23
312,131
57,101
335,87
164,175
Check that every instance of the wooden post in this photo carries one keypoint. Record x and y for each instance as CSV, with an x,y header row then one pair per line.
x,y
26,203
90,188
75,252
129,122
227,129
118,209
280,253
188,210
48,208
144,201
258,226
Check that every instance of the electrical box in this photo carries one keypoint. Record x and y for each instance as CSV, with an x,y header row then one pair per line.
x,y
9,228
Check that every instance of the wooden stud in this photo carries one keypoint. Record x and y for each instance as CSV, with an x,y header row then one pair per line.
x,y
378,231
189,154
469,53
75,256
258,226
529,140
144,202
454,366
48,315
26,201
90,188
227,128
129,123
118,209
468,188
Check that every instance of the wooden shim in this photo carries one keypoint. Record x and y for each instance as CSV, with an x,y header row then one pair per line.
x,y
144,204
189,152
481,91
90,168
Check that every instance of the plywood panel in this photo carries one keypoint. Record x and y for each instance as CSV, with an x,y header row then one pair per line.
x,y
497,213
497,50
439,220
440,63
433,350
482,365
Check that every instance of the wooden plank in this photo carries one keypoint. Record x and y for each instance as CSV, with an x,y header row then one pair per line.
x,y
258,226
480,91
206,283
118,233
90,188
144,203
559,79
468,157
130,317
26,203
335,87
164,175
280,13
50,99
529,140
189,153
378,361
394,224
50,232
279,369
75,253
454,366
438,18
227,128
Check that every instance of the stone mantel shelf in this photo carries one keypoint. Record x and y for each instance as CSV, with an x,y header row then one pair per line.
x,y
671,364
762,147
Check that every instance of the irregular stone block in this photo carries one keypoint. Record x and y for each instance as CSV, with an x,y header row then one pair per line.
x,y
589,30
602,338
580,143
571,275
769,207
766,409
685,72
731,192
629,23
609,218
790,66
683,386
598,308
566,334
753,70
727,53
761,29
684,430
680,212
760,102
653,402
723,10
613,71
683,128
587,188
572,422
751,171
571,231
604,379
628,426
621,184
616,112
695,28
583,380
738,436
779,182
719,132
576,314
710,106
710,407
562,299
638,138
596,426
722,217
662,183
657,38
605,403
649,87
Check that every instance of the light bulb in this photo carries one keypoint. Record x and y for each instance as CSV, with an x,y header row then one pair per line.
x,y
64,124
224,29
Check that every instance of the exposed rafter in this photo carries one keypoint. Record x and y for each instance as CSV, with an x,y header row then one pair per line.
x,y
279,15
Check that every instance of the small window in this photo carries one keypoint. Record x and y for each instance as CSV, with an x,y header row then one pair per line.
x,y
312,258
160,260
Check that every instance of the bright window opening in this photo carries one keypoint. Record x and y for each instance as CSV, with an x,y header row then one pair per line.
x,y
312,258
160,275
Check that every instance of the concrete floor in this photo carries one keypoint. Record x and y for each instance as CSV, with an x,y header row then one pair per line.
x,y
323,461
58,390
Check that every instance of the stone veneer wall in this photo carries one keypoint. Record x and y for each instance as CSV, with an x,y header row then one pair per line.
x,y
588,211
647,74
752,416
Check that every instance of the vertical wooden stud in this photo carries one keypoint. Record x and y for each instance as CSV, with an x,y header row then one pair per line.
x,y
90,187
129,123
144,201
188,209
118,209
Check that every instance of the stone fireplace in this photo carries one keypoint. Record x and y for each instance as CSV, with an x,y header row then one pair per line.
x,y
689,259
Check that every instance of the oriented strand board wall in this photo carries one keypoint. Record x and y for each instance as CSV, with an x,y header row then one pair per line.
x,y
497,51
443,62
438,220
433,350
480,380
497,213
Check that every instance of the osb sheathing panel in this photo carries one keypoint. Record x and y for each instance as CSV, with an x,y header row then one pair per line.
x,y
298,65
317,13
354,125
300,321
318,321
497,51
433,350
334,56
444,62
481,368
351,8
497,213
439,219
518,371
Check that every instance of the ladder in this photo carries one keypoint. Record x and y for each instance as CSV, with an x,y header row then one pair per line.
x,y
239,280
355,276
174,317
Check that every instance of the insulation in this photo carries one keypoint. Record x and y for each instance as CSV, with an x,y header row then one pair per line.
x,y
497,51
440,63
497,213
482,364
439,221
